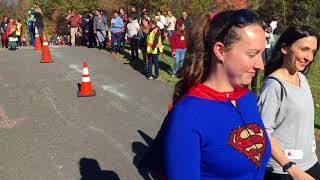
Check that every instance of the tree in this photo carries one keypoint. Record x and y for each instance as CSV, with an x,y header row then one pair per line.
x,y
291,12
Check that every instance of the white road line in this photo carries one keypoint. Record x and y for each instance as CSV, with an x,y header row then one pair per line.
x,y
115,91
49,96
107,88
75,67
57,54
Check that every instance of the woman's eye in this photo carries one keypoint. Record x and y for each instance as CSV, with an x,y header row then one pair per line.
x,y
252,55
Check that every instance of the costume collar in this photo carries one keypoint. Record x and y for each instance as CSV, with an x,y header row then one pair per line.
x,y
203,91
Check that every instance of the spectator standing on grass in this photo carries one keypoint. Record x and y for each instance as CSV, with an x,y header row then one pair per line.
x,y
30,24
273,25
145,15
268,44
287,107
100,27
161,22
116,29
145,28
171,24
75,21
134,13
91,35
132,34
85,28
124,17
184,19
154,47
4,33
178,47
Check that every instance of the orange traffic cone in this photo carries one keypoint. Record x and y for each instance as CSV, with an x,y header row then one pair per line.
x,y
86,87
46,57
37,44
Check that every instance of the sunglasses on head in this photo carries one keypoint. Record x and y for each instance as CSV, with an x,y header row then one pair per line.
x,y
240,18
243,17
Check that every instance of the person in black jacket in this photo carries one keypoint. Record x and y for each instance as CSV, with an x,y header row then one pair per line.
x,y
39,22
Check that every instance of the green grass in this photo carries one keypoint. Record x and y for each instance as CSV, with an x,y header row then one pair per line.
x,y
166,63
313,78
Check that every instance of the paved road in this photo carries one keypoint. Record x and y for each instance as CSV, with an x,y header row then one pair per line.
x,y
49,133
46,129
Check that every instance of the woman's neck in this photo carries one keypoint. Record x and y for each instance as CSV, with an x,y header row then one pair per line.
x,y
218,82
288,67
291,77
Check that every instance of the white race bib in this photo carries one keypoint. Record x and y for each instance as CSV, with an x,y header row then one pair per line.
x,y
293,154
182,38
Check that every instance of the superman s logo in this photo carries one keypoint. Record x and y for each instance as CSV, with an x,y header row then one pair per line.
x,y
250,140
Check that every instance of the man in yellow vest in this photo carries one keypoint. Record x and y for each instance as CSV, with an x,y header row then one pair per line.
x,y
154,46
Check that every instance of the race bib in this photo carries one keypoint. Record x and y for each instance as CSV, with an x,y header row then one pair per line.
x,y
182,38
293,154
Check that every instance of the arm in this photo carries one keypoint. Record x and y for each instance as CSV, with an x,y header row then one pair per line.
x,y
295,172
95,24
105,22
68,17
127,32
182,147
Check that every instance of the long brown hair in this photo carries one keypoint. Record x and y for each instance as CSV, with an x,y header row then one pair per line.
x,y
201,36
288,37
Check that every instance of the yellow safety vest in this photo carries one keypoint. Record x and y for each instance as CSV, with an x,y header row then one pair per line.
x,y
18,30
150,40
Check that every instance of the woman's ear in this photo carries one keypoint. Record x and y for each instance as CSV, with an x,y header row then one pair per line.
x,y
284,49
218,50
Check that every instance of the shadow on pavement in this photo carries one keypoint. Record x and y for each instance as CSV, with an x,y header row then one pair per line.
x,y
140,150
91,170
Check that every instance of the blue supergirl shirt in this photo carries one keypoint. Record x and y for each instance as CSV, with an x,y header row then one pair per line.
x,y
208,138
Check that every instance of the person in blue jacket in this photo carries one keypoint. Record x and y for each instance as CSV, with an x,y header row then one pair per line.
x,y
214,130
116,29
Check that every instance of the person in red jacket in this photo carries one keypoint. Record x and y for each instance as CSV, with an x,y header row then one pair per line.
x,y
74,18
178,47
